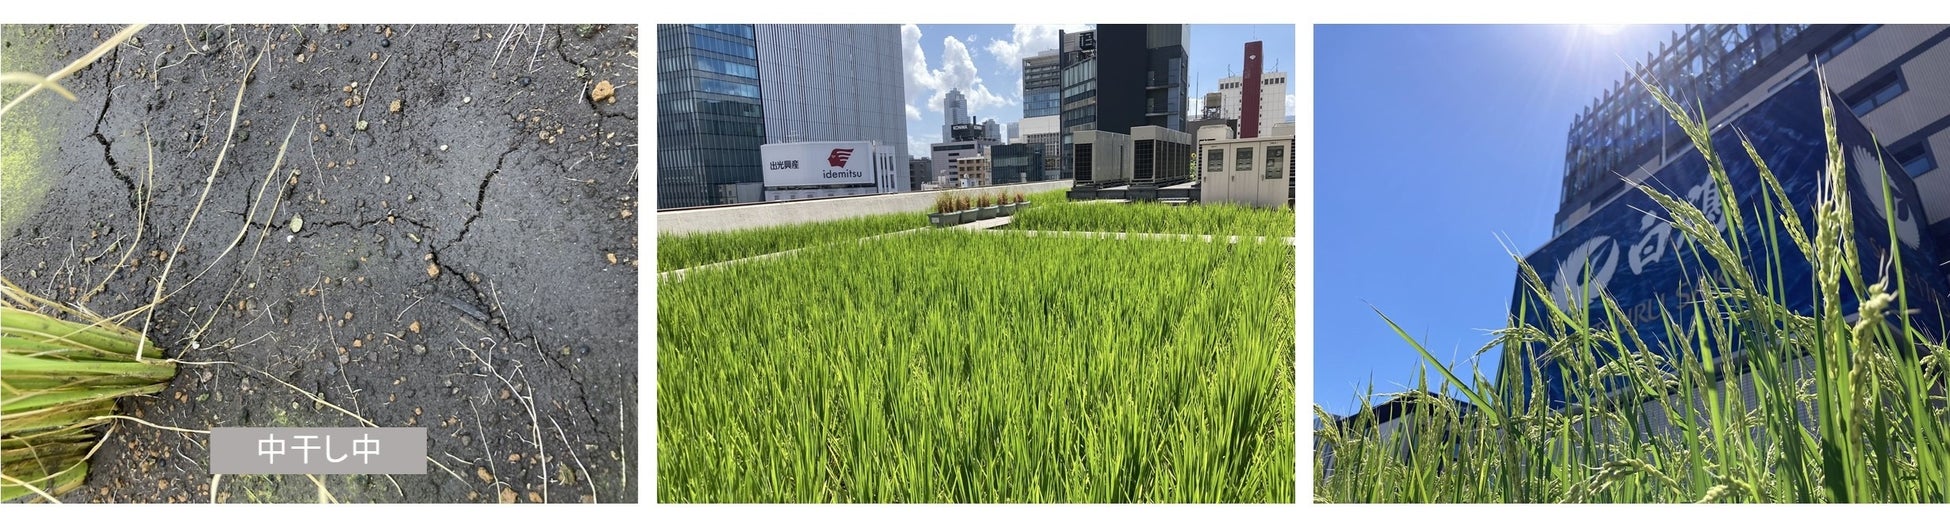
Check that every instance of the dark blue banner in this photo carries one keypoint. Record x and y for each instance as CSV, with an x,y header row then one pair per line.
x,y
1628,249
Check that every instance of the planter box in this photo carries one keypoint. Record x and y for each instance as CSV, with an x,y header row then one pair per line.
x,y
968,215
1008,209
943,220
989,212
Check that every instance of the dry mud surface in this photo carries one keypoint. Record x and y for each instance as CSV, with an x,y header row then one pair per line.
x,y
464,260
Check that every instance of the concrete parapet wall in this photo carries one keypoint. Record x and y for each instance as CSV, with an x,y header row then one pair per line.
x,y
760,215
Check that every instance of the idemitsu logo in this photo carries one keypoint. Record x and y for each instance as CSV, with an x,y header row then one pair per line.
x,y
1868,169
1585,272
839,157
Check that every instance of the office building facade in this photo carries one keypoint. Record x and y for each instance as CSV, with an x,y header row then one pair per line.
x,y
1272,100
723,90
1042,85
1016,163
972,171
1892,87
1895,78
944,157
920,173
1047,132
834,82
1122,76
710,116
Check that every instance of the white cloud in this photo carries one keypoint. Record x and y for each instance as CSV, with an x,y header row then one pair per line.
x,y
913,114
957,71
1290,109
919,145
914,61
1027,40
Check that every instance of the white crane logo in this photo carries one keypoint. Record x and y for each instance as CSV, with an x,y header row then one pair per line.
x,y
1584,273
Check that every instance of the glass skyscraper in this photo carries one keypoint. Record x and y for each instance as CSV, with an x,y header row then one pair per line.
x,y
954,111
710,116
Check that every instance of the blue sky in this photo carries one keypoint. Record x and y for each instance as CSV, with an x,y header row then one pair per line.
x,y
985,63
1431,143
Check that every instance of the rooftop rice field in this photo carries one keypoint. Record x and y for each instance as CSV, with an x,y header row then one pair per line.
x,y
951,366
1151,217
677,252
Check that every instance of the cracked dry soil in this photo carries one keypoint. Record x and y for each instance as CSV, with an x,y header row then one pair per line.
x,y
466,258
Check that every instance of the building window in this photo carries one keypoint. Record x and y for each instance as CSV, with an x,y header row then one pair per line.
x,y
716,86
726,47
736,30
1275,161
1915,158
1845,42
1876,93
1244,157
727,67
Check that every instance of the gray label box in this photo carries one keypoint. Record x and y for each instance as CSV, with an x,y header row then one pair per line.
x,y
318,450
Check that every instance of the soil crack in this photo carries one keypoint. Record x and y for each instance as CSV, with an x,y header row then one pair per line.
x,y
480,195
108,154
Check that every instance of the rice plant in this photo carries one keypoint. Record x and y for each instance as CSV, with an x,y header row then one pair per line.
x,y
1141,217
1840,409
952,366
61,369
1048,197
677,252
61,365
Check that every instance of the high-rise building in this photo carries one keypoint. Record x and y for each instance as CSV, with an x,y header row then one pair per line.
x,y
971,171
1045,131
1042,102
1016,163
944,158
834,82
1250,93
725,89
1272,100
1890,77
1042,85
919,172
710,118
992,131
1121,76
954,111
1751,81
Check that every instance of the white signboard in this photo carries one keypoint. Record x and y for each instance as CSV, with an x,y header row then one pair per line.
x,y
818,163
